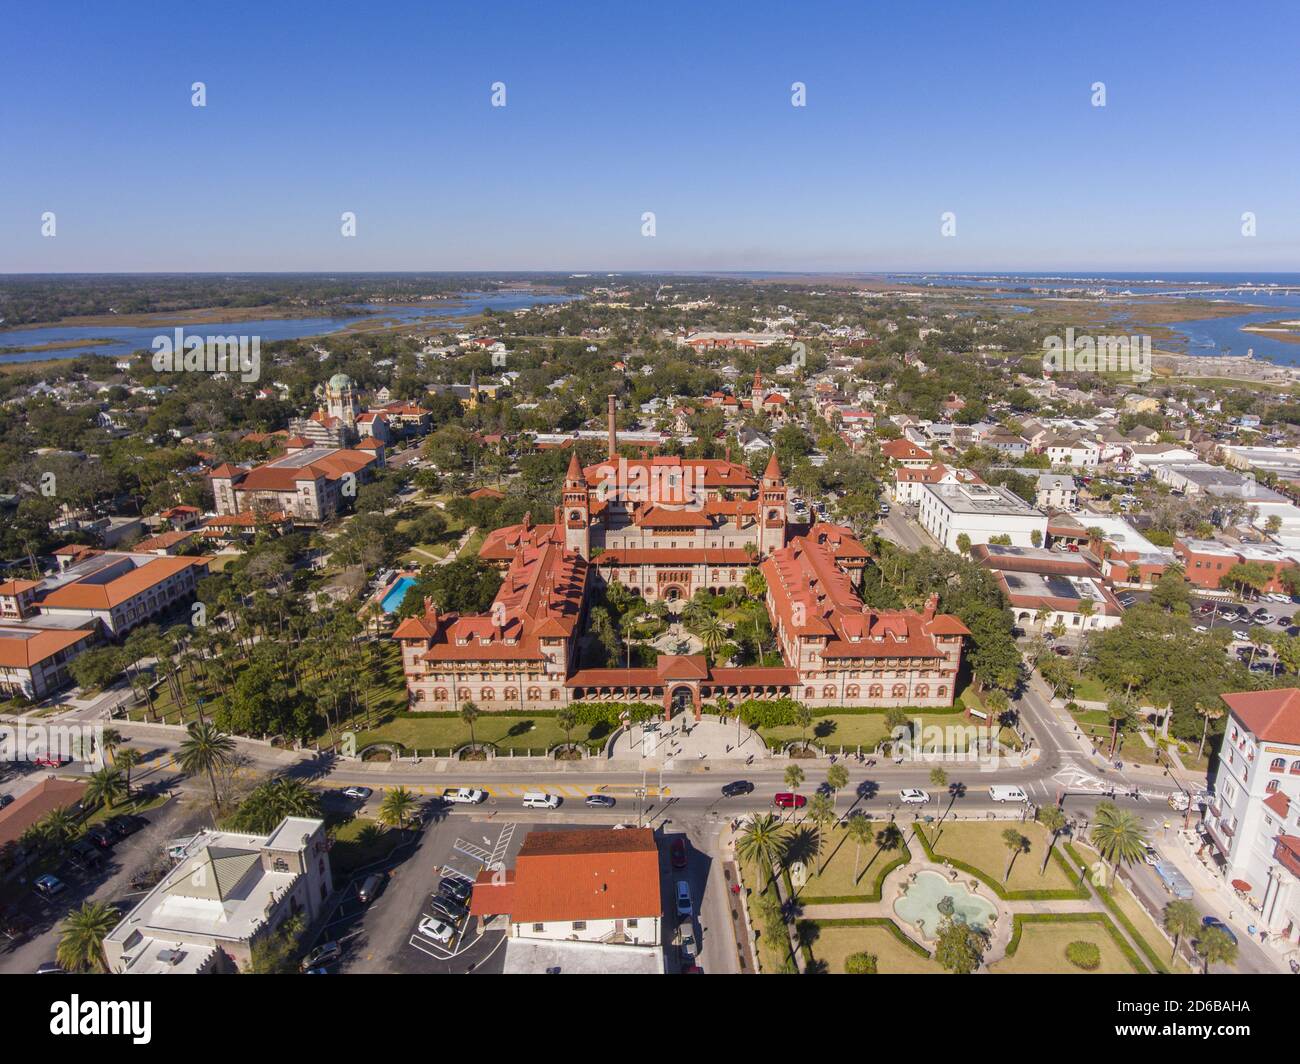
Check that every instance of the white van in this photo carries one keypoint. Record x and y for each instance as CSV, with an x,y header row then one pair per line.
x,y
1007,794
540,800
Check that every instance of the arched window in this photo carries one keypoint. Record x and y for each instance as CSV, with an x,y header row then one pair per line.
x,y
941,691
419,696
828,691
555,695
440,695
922,690
512,694
851,691
875,691
535,694
488,694
1295,768
1278,765
810,692
899,690
1272,787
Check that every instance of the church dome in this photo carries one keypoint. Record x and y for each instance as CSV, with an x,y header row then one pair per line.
x,y
339,382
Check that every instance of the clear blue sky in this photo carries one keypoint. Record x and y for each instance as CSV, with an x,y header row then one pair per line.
x,y
616,108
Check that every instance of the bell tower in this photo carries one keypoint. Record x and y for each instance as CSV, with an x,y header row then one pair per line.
x,y
576,510
772,512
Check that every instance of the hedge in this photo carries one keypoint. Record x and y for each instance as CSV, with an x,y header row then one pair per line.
x,y
995,886
1020,919
902,858
878,921
1104,893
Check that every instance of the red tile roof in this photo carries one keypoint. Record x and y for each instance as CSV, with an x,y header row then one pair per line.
x,y
595,874
1273,716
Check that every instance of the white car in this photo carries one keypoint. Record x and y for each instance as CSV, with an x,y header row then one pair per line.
x,y
1151,856
913,796
1237,633
432,927
685,907
1199,628
359,793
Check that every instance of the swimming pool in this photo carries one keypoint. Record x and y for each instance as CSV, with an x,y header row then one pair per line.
x,y
920,905
395,594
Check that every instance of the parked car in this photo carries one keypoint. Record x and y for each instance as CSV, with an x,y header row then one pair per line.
x,y
1064,651
447,909
459,889
913,796
47,885
1151,856
1284,622
1238,633
1199,628
789,800
686,940
126,825
685,907
100,836
53,762
737,788
361,794
677,851
1214,921
431,927
600,801
326,953
369,890
5,799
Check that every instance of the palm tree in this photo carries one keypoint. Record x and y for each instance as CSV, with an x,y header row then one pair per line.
x,y
1215,947
56,828
858,829
127,760
109,741
760,843
837,778
1120,711
81,940
793,780
821,810
469,713
1118,835
105,787
1017,844
1053,820
712,633
1209,710
567,718
1181,921
206,750
396,807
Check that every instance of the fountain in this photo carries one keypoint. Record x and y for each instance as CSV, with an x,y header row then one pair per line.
x,y
932,898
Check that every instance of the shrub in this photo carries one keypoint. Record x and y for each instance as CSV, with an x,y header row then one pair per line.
x,y
1085,955
860,964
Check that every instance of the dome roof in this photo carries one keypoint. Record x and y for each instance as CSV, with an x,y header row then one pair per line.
x,y
339,382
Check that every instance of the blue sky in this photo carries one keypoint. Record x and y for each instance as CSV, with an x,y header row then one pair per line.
x,y
683,109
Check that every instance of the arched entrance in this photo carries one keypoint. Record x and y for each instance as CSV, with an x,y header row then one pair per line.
x,y
679,699
673,593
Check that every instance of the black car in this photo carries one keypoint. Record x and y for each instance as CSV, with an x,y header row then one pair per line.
x,y
322,955
447,908
5,799
736,788
100,836
124,826
456,889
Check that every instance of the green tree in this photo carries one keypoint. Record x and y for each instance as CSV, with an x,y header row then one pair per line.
x,y
469,713
1053,820
206,749
81,939
1016,844
858,829
106,787
860,964
1215,947
760,843
397,806
958,948
1118,835
1181,921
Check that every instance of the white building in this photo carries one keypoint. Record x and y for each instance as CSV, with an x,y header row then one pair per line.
x,y
1055,492
1253,820
595,886
980,511
226,892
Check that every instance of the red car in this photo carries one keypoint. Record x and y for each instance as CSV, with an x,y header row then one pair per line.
x,y
788,800
53,762
677,852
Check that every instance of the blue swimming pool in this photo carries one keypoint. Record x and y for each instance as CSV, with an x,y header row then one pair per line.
x,y
396,593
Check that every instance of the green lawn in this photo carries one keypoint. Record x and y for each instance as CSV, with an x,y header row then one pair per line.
x,y
520,732
867,730
836,877
836,942
1042,950
979,843
359,842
